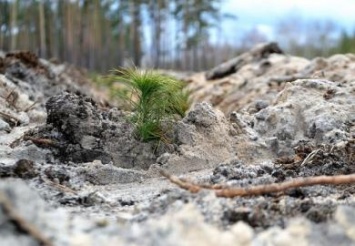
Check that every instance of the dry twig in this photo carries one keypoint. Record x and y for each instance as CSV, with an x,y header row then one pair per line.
x,y
281,187
60,187
12,97
221,191
31,106
193,188
20,222
9,95
10,118
41,141
16,142
310,157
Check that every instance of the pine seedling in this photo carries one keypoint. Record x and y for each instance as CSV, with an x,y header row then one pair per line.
x,y
154,98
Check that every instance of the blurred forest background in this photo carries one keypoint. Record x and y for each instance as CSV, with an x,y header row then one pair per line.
x,y
169,34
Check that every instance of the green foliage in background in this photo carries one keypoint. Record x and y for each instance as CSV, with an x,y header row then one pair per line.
x,y
155,99
346,43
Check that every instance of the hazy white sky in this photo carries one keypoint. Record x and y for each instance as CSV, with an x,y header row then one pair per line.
x,y
265,14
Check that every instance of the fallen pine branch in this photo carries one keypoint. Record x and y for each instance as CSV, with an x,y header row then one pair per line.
x,y
221,191
280,187
193,188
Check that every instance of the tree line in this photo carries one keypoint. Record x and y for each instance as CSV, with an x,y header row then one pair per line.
x,y
170,34
104,34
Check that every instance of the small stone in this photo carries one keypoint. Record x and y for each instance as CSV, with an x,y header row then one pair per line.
x,y
25,169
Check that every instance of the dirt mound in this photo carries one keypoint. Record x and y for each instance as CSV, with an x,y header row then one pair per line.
x,y
258,76
81,132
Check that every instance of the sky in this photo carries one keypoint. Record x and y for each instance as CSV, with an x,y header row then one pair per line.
x,y
264,15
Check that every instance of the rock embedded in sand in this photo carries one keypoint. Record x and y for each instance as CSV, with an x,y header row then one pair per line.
x,y
263,77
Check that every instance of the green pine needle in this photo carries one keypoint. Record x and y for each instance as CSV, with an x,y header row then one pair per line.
x,y
154,97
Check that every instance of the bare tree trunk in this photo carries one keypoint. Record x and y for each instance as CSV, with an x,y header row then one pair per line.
x,y
178,56
195,62
106,56
135,32
4,22
13,24
33,21
158,17
1,40
60,53
121,44
97,26
25,42
121,36
82,31
42,30
185,30
69,41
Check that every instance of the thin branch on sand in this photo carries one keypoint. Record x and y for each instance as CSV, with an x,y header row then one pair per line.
x,y
10,118
41,141
221,191
60,187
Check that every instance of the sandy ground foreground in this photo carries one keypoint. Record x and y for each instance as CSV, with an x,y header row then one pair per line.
x,y
72,172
